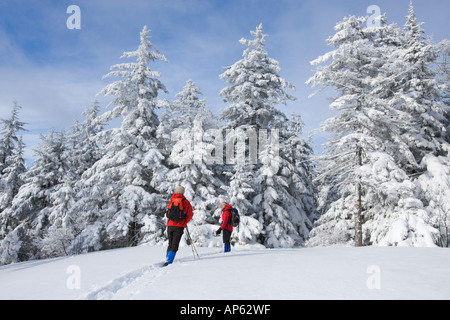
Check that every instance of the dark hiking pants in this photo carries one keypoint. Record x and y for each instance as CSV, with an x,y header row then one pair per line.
x,y
226,236
174,234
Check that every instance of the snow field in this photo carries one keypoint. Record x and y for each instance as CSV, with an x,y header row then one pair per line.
x,y
244,274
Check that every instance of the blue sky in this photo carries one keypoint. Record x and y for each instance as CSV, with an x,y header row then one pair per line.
x,y
54,72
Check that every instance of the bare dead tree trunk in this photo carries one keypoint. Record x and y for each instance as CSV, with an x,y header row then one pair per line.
x,y
358,216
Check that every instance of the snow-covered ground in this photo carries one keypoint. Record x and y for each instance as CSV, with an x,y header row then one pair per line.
x,y
244,274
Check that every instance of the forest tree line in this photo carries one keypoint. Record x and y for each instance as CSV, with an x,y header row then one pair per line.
x,y
382,179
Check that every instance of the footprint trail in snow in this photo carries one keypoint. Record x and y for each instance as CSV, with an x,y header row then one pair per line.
x,y
127,285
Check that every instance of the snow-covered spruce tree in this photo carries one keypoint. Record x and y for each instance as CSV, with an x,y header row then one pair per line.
x,y
349,72
61,228
368,148
434,184
9,138
439,185
13,179
298,171
392,211
408,84
83,149
287,195
387,42
417,92
12,164
119,197
362,126
255,89
181,114
238,190
443,77
31,207
186,123
394,215
239,183
64,223
435,181
416,88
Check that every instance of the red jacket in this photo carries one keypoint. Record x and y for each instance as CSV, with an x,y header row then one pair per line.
x,y
226,218
187,208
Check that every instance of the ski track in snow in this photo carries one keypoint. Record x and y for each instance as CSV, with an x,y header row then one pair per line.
x,y
129,283
133,282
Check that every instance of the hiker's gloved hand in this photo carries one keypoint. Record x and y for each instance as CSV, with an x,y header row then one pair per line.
x,y
218,231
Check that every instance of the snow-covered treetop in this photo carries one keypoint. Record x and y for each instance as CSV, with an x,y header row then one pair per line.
x,y
188,103
137,75
8,134
413,29
255,86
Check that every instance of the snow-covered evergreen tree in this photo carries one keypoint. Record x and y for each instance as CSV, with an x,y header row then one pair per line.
x,y
369,197
255,87
299,172
57,240
119,197
417,91
435,182
266,190
63,223
186,123
443,78
9,138
83,149
239,190
434,185
285,190
13,179
353,65
29,212
395,215
181,114
420,90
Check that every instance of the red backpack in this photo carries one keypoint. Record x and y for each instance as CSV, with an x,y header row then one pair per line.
x,y
175,210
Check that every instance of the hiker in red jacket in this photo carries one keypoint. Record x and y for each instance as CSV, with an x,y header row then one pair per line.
x,y
179,213
226,226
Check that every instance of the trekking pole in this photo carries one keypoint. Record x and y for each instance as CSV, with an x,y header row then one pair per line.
x,y
194,250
